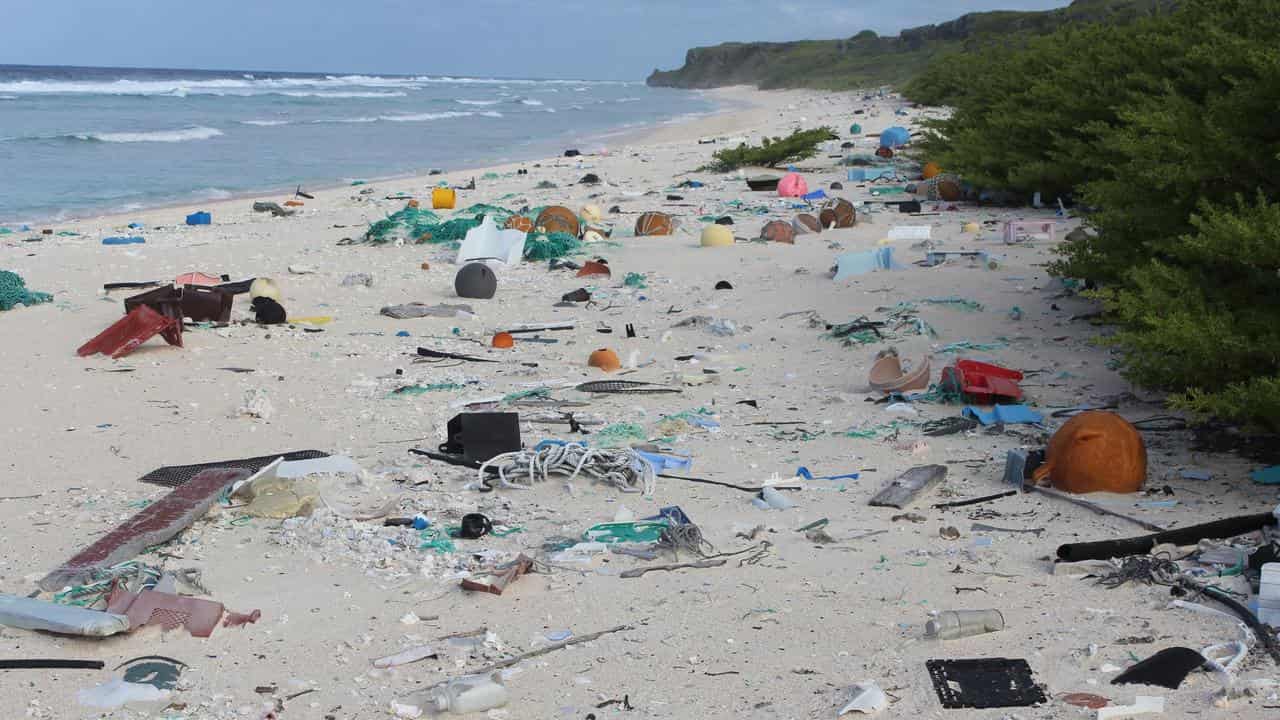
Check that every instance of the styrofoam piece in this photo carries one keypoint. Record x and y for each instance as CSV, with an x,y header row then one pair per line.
x,y
33,614
487,241
330,464
1142,705
868,699
911,232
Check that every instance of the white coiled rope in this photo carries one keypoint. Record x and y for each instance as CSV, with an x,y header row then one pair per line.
x,y
622,468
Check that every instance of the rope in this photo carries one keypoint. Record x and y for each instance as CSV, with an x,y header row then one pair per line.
x,y
687,537
622,468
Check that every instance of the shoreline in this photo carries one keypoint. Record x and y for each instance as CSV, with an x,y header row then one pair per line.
x,y
732,101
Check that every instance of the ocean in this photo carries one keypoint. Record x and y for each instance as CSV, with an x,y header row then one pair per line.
x,y
80,141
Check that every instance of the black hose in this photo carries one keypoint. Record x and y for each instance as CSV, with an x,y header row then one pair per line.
x,y
1262,631
51,664
1107,549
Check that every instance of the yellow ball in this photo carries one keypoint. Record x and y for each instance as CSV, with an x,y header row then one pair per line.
x,y
972,227
591,213
716,236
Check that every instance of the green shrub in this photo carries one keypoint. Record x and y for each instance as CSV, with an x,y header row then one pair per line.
x,y
1164,130
799,145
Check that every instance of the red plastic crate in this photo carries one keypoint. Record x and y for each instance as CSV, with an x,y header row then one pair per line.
x,y
982,383
126,334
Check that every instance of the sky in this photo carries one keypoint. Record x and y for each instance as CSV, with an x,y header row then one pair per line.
x,y
580,39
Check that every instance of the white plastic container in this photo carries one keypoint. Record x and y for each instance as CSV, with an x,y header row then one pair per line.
x,y
471,694
1269,594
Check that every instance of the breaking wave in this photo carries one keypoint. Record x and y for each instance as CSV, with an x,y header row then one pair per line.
x,y
166,136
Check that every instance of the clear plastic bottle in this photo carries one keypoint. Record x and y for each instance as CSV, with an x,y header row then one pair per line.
x,y
954,624
471,694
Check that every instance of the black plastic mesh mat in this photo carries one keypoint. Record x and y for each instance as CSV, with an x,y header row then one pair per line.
x,y
984,683
177,475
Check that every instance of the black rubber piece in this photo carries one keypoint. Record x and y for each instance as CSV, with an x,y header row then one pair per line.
x,y
51,664
177,475
1166,669
984,683
1107,549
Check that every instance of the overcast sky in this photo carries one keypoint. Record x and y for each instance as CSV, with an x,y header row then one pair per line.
x,y
589,39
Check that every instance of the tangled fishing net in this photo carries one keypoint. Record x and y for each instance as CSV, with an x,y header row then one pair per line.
x,y
14,292
547,247
622,468
421,226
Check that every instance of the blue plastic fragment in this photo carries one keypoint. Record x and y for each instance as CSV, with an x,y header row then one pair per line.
x,y
1267,476
1003,415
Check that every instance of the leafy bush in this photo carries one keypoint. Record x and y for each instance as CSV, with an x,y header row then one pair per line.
x,y
1165,131
799,145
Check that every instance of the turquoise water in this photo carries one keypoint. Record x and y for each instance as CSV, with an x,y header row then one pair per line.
x,y
78,141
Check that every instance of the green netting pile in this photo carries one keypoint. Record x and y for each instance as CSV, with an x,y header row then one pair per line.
x,y
409,224
13,292
420,226
499,214
555,245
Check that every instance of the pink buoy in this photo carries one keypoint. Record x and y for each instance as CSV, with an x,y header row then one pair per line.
x,y
792,185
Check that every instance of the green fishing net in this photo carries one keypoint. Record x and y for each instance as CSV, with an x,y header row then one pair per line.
x,y
423,226
13,292
620,434
500,215
555,245
409,225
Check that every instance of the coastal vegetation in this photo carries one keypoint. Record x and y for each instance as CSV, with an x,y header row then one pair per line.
x,y
1163,133
772,152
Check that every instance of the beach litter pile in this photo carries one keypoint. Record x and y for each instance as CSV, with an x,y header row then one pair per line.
x,y
679,422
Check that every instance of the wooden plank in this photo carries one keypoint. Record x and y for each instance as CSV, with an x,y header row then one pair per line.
x,y
909,486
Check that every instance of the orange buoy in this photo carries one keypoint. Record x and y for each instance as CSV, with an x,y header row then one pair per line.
x,y
558,218
1095,451
779,231
293,203
654,223
604,359
519,222
931,170
504,340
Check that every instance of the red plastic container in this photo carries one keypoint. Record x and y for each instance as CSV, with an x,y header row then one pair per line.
x,y
982,383
126,334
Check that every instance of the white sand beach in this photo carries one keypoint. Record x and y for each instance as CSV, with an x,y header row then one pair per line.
x,y
785,635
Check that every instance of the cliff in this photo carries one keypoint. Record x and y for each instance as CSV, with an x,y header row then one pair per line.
x,y
867,60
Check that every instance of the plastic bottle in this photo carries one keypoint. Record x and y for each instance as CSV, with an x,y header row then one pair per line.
x,y
1269,594
470,694
954,624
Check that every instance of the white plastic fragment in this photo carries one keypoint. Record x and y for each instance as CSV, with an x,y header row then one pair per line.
x,y
1142,705
118,693
868,699
771,499
32,614
412,655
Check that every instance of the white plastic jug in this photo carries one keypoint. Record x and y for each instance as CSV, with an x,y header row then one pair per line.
x,y
470,694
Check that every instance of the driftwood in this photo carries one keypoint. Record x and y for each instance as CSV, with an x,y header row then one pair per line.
x,y
552,648
640,571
